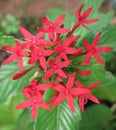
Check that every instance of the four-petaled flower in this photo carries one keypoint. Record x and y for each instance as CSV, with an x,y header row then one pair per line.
x,y
92,50
82,18
18,53
68,92
84,97
52,27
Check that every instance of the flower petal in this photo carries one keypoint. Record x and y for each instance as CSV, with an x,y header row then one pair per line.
x,y
78,12
59,20
49,73
9,59
43,62
91,21
25,33
61,73
87,13
96,40
92,86
104,49
86,44
61,30
71,81
24,105
34,111
79,85
92,98
99,59
70,102
45,21
58,100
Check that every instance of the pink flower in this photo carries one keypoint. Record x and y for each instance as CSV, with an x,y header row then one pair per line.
x,y
52,27
68,92
84,97
82,18
92,50
56,67
18,53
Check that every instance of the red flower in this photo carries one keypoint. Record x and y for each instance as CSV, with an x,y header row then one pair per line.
x,y
82,18
64,48
68,92
34,102
84,97
18,53
34,40
56,66
34,88
52,27
39,54
92,50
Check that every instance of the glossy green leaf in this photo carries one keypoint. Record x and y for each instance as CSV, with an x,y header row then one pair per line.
x,y
8,112
95,117
7,85
59,118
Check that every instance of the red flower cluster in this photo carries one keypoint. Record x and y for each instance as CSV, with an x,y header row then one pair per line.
x,y
53,58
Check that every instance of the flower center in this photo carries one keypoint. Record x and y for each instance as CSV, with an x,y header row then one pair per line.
x,y
67,91
18,53
93,50
55,66
81,19
40,53
51,29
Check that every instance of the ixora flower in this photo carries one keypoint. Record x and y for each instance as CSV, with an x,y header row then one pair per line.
x,y
84,97
34,40
33,93
53,27
56,66
34,102
39,54
82,18
18,53
64,48
68,92
93,50
55,63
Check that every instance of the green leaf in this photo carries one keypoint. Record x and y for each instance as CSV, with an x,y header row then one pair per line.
x,y
24,121
6,40
95,117
7,85
59,118
8,112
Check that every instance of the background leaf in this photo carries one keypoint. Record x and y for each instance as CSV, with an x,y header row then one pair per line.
x,y
94,117
9,86
59,118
